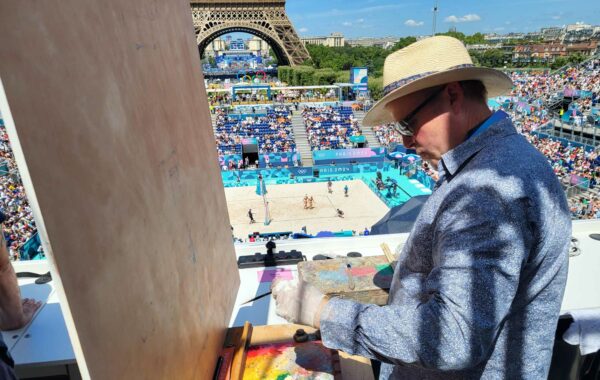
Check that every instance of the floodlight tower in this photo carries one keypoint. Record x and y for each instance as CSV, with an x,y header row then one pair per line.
x,y
435,11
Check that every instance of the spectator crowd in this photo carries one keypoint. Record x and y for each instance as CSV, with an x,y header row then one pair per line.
x,y
330,127
272,131
19,225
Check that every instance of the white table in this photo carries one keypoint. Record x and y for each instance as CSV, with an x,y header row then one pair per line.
x,y
44,344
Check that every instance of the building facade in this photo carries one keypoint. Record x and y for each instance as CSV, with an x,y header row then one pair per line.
x,y
333,40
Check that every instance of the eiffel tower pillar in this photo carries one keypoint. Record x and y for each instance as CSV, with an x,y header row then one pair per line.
x,y
265,19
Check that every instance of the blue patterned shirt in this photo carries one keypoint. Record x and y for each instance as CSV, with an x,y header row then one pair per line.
x,y
478,285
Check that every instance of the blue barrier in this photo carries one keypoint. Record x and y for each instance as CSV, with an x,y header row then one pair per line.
x,y
30,250
304,171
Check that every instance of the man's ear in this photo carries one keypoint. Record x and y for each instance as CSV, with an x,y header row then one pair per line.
x,y
456,95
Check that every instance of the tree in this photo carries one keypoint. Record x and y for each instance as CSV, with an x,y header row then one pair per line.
x,y
489,58
403,42
475,39
576,58
458,35
376,87
273,56
559,62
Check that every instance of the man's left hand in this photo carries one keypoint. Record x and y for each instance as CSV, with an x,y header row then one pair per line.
x,y
298,301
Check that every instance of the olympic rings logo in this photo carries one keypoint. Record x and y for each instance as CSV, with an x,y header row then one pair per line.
x,y
242,76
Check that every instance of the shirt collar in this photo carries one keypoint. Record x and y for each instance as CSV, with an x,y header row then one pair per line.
x,y
496,126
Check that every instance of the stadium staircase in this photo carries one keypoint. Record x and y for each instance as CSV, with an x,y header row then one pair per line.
x,y
213,122
301,138
372,140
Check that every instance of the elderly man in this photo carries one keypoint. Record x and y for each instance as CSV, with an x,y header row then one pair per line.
x,y
478,286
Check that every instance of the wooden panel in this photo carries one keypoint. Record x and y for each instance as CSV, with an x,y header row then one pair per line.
x,y
108,103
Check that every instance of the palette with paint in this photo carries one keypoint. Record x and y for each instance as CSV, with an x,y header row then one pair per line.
x,y
363,279
283,361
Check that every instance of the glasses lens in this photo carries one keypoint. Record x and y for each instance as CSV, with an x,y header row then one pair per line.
x,y
402,128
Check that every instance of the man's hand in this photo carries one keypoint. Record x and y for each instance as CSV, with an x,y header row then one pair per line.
x,y
30,307
17,318
298,301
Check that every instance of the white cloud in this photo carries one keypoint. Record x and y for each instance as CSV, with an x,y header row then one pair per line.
x,y
557,17
411,22
360,20
303,30
466,18
347,23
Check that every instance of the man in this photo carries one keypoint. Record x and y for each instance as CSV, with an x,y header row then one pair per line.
x,y
251,216
14,311
478,285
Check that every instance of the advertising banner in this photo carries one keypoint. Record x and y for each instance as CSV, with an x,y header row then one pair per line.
x,y
289,159
359,77
323,157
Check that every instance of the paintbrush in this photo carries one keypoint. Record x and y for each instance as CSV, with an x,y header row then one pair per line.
x,y
387,252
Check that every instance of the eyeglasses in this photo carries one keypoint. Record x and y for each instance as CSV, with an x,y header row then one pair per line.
x,y
403,126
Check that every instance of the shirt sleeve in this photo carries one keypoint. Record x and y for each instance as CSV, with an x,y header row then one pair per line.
x,y
480,243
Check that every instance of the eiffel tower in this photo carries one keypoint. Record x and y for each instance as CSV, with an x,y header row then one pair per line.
x,y
264,19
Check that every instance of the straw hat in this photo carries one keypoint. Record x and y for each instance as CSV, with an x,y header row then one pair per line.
x,y
428,63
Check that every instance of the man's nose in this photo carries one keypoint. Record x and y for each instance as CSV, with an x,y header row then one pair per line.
x,y
408,141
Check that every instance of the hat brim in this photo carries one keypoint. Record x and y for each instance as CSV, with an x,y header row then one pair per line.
x,y
496,83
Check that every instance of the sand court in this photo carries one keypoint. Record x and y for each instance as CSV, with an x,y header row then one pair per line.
x,y
362,208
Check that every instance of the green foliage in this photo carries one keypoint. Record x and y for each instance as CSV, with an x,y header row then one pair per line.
x,y
457,35
342,77
404,42
283,73
576,58
558,63
324,77
376,87
345,57
490,58
273,56
475,39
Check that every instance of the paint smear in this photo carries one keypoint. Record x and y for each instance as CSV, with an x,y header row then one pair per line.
x,y
271,274
287,361
362,271
385,270
335,276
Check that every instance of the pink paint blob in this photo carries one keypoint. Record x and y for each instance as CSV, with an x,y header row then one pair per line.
x,y
271,274
362,271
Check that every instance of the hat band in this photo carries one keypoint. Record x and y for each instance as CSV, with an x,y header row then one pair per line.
x,y
404,81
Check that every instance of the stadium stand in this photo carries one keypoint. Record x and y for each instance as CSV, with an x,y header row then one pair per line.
x,y
19,225
330,127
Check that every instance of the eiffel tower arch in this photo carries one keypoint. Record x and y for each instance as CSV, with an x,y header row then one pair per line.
x,y
264,19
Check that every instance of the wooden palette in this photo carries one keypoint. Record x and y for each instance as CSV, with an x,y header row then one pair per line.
x,y
363,279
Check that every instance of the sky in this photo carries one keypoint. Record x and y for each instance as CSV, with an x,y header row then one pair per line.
x,y
380,18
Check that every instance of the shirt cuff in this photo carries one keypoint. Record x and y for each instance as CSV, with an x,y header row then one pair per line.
x,y
337,324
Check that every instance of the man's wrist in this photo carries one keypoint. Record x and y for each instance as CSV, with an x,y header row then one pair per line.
x,y
317,316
